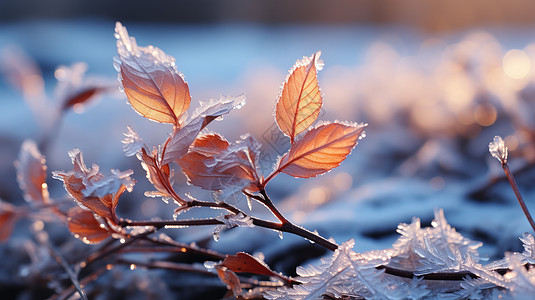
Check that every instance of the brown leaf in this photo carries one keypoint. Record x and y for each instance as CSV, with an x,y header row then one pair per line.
x,y
300,101
84,226
82,96
31,173
214,164
154,87
321,149
242,262
92,189
8,218
231,279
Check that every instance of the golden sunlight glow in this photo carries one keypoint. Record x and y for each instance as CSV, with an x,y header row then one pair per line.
x,y
516,64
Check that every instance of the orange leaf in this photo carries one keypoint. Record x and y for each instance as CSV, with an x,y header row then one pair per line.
x,y
299,103
214,164
321,149
84,226
31,173
244,263
154,87
8,218
92,189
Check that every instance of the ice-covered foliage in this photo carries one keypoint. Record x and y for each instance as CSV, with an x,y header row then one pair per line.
x,y
438,250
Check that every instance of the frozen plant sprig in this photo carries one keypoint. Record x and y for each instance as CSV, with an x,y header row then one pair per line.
x,y
498,150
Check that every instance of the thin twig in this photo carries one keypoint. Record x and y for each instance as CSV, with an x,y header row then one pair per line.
x,y
62,262
189,248
66,293
512,181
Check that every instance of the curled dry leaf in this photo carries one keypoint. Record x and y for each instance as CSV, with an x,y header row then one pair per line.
x,y
300,100
214,164
321,149
181,139
154,87
92,189
31,173
230,279
84,226
8,218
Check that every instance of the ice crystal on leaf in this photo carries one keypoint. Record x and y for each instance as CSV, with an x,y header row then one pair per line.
x,y
231,221
344,274
132,142
437,249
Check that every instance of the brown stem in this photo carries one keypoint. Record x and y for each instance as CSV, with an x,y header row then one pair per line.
x,y
269,204
512,181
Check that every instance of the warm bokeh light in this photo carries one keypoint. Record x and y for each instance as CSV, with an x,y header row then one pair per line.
x,y
516,64
485,114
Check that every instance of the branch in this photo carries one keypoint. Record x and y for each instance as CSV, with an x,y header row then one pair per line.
x,y
62,262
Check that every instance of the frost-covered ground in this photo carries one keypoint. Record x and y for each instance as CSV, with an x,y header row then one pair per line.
x,y
433,103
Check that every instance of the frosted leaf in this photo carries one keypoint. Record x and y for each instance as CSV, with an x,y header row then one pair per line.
x,y
151,81
498,149
75,89
31,173
95,184
92,189
214,164
184,136
132,142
